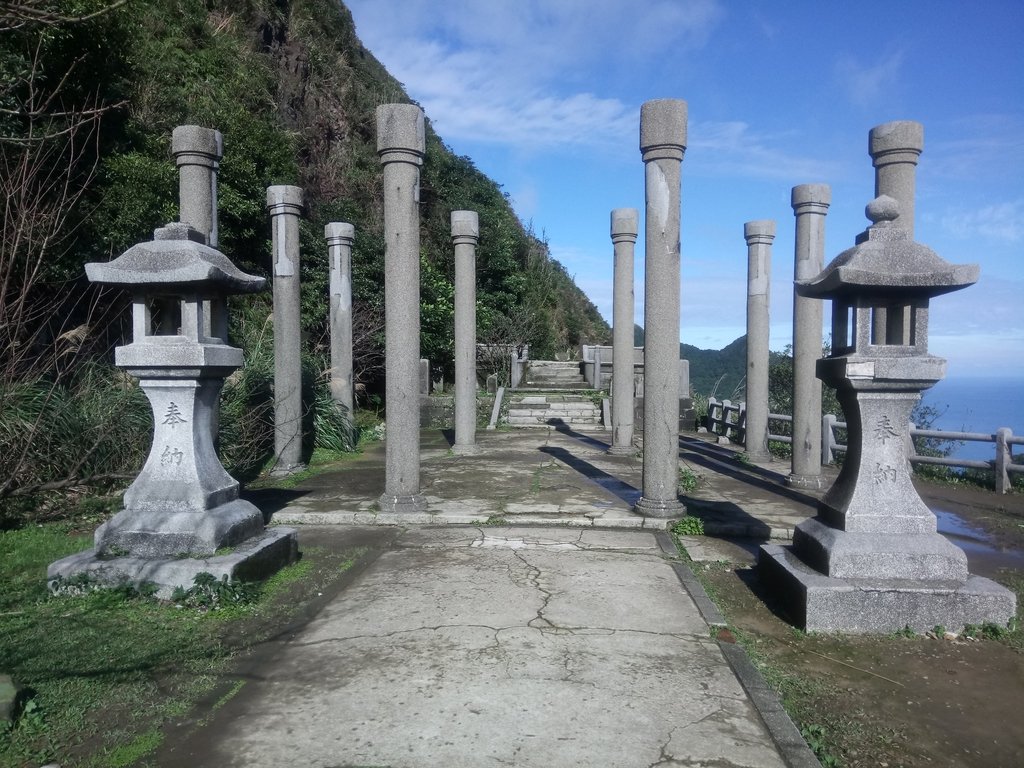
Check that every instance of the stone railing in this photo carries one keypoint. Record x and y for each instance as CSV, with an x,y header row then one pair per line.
x,y
1003,465
726,419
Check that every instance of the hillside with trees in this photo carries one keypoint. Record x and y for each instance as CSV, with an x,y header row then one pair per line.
x,y
89,94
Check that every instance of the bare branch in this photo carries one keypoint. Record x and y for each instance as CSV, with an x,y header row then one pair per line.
x,y
19,13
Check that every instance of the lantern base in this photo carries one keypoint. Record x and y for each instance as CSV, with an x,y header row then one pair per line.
x,y
252,560
168,533
818,603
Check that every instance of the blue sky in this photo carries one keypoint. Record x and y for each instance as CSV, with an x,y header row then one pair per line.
x,y
545,95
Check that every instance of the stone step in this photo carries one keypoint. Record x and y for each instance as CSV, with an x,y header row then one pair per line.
x,y
541,409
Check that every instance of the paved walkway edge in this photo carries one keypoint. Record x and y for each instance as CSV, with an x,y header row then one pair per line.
x,y
288,516
783,730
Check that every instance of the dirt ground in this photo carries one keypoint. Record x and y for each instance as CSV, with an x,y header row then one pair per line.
x,y
896,701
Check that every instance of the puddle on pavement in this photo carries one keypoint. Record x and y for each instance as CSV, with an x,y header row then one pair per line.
x,y
984,556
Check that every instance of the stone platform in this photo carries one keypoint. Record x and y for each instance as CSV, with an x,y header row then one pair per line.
x,y
252,560
823,604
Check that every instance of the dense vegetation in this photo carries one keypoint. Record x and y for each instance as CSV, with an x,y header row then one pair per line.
x,y
90,91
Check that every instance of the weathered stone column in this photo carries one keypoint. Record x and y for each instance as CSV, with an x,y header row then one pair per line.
x,y
401,144
284,203
895,149
759,236
465,235
810,205
197,152
340,237
662,144
625,222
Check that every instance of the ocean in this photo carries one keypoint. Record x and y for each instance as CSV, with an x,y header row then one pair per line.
x,y
978,405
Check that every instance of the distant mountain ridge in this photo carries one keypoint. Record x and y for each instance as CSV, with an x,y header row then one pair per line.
x,y
712,371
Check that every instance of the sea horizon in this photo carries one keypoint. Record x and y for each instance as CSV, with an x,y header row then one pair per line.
x,y
978,403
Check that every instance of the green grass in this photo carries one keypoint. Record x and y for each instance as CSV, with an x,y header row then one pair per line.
x,y
321,460
101,671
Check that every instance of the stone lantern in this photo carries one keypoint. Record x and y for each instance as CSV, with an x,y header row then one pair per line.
x,y
872,559
183,507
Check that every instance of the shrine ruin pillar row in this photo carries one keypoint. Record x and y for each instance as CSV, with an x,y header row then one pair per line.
x,y
401,145
340,236
624,227
284,203
810,205
759,236
662,144
465,235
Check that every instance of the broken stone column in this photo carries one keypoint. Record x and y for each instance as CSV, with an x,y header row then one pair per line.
x,y
624,226
340,237
662,144
401,144
759,236
183,506
895,149
872,560
465,235
284,204
810,205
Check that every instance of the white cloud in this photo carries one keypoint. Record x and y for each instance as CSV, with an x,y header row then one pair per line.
x,y
732,147
1002,222
865,83
520,73
977,148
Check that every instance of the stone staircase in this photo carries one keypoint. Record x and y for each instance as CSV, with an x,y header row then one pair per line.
x,y
544,409
553,375
551,394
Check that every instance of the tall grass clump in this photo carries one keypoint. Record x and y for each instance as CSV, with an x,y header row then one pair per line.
x,y
82,434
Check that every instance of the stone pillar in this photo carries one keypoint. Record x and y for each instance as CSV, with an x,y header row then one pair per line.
x,y
284,203
662,143
625,222
465,235
895,149
759,236
340,237
197,152
401,144
810,205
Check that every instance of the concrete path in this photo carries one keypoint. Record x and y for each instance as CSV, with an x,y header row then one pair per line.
x,y
491,646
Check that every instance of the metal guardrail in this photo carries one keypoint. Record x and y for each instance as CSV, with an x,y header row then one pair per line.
x,y
726,419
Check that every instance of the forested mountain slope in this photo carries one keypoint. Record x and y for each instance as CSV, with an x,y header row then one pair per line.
x,y
90,91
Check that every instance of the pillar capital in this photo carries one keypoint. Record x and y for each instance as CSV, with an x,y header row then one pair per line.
x,y
401,134
465,227
625,225
811,198
900,141
195,145
284,199
339,233
760,232
663,129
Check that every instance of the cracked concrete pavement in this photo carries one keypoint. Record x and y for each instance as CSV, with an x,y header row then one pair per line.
x,y
480,646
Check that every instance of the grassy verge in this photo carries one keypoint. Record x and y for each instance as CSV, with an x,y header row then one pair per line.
x,y
102,672
901,699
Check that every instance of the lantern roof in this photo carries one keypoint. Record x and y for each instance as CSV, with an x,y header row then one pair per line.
x,y
886,260
177,256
